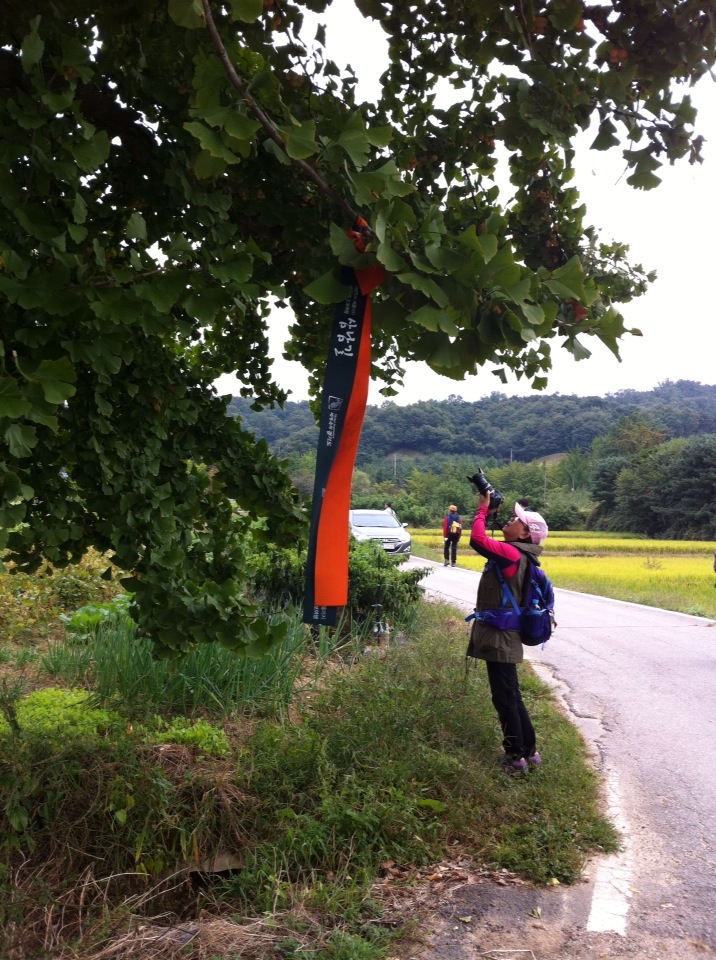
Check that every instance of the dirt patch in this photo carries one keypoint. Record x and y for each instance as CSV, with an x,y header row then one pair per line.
x,y
495,919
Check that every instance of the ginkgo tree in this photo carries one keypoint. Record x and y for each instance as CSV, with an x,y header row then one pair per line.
x,y
171,170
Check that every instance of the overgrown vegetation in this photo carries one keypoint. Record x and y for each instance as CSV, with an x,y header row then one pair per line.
x,y
31,605
133,791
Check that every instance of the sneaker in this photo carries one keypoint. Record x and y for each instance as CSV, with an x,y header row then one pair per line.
x,y
453,564
535,760
514,767
447,563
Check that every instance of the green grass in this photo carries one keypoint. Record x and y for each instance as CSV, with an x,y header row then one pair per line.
x,y
393,758
108,658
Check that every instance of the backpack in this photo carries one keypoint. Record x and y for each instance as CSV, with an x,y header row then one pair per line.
x,y
535,618
455,527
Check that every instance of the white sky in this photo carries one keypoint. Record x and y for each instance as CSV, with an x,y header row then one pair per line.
x,y
668,229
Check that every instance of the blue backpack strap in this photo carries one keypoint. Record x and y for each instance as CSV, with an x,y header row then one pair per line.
x,y
506,592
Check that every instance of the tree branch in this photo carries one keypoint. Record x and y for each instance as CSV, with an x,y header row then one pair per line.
x,y
238,83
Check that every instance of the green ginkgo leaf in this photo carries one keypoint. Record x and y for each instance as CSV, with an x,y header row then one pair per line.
x,y
327,289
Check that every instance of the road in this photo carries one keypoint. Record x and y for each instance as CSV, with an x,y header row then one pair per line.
x,y
639,683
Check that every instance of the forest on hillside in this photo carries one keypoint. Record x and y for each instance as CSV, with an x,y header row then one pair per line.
x,y
635,462
498,428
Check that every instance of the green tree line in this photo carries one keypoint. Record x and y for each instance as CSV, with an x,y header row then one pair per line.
x,y
497,426
641,462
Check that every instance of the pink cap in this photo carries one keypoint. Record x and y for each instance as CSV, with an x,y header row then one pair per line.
x,y
534,521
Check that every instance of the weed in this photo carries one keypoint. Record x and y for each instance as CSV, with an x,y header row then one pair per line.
x,y
199,734
120,667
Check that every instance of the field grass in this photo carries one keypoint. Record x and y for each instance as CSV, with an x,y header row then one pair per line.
x,y
670,574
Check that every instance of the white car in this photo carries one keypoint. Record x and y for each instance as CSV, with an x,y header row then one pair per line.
x,y
381,526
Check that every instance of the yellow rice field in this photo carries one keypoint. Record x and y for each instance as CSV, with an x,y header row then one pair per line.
x,y
671,574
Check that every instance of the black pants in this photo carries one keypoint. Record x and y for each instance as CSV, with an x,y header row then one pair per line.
x,y
519,738
450,551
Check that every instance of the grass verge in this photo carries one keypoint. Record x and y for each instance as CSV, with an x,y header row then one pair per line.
x,y
287,838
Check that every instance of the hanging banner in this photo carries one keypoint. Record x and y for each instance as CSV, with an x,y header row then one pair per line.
x,y
343,403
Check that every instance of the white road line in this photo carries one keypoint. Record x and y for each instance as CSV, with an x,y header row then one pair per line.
x,y
613,879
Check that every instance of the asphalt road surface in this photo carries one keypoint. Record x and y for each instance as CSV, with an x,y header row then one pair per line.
x,y
639,683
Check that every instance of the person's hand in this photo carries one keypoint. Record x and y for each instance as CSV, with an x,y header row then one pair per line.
x,y
484,500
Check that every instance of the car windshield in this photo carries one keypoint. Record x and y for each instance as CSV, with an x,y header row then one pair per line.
x,y
377,519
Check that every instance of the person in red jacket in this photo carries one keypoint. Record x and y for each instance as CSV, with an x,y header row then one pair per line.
x,y
452,531
502,649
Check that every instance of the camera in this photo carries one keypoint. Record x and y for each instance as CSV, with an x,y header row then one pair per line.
x,y
484,486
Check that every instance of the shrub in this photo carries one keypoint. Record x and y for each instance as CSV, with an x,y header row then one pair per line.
x,y
278,576
375,577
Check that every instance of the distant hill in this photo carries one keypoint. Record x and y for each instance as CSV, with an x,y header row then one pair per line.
x,y
499,427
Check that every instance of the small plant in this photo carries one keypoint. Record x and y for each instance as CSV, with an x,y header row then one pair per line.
x,y
10,693
86,621
696,611
56,716
199,734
